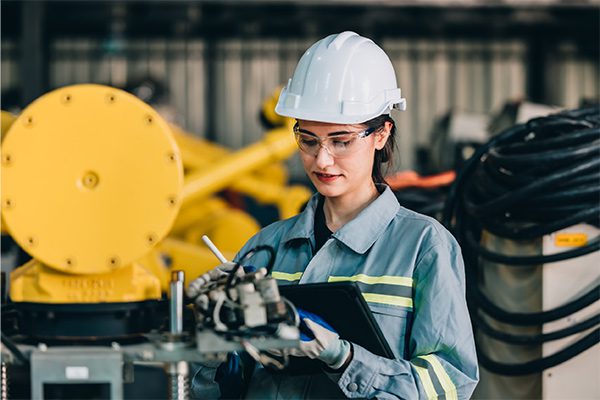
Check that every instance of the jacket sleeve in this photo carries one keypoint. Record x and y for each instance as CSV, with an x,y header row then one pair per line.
x,y
441,357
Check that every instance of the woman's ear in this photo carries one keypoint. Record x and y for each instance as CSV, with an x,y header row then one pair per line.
x,y
381,137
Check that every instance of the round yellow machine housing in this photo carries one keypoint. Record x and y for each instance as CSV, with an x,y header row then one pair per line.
x,y
7,120
91,179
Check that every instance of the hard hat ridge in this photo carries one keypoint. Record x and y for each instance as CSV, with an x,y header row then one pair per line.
x,y
343,78
338,40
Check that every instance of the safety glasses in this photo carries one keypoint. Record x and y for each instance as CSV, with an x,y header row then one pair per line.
x,y
337,144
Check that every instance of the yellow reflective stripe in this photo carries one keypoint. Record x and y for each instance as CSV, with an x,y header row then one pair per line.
x,y
426,381
372,280
442,376
388,299
284,276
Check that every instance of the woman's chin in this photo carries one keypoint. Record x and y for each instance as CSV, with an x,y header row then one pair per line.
x,y
328,190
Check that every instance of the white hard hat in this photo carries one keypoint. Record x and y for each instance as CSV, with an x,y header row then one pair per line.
x,y
344,79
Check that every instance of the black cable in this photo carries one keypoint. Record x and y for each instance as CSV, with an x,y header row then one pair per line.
x,y
470,165
528,181
510,199
536,366
554,142
535,318
586,113
249,254
533,231
10,345
499,258
490,331
554,155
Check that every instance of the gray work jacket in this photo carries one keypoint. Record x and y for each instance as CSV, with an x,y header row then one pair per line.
x,y
411,273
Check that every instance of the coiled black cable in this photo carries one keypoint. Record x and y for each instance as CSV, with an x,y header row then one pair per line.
x,y
248,255
539,338
529,181
535,366
529,319
489,255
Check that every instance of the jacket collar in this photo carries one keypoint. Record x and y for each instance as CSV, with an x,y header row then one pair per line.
x,y
358,234
304,226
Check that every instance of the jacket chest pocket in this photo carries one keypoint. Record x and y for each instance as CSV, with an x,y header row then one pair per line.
x,y
394,322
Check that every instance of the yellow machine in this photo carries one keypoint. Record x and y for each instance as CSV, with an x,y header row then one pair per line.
x,y
93,188
91,181
7,121
254,171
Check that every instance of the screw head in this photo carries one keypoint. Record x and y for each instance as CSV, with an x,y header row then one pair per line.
x,y
151,238
66,98
113,262
7,159
90,180
29,121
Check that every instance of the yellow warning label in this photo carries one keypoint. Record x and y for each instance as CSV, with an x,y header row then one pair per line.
x,y
570,239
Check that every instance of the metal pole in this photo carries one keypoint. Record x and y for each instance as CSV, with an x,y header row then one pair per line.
x,y
176,314
177,372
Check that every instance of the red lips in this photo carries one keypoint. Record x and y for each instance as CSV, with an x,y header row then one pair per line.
x,y
326,178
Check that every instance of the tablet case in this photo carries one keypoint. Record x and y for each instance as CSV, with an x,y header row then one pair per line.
x,y
342,305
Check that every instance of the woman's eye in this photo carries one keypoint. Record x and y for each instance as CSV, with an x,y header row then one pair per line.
x,y
342,142
308,142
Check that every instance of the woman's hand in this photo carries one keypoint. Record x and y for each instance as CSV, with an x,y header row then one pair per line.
x,y
221,270
326,346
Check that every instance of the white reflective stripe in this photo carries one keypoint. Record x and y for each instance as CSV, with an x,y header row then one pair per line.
x,y
372,280
426,381
284,276
388,299
442,375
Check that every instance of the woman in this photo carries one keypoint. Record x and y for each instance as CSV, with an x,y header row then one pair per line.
x,y
407,265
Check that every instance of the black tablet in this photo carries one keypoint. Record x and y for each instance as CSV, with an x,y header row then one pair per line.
x,y
342,305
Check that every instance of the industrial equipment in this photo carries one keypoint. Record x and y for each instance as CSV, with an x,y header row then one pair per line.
x,y
255,171
92,183
525,209
423,194
453,139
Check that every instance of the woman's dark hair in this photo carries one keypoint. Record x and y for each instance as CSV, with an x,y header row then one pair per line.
x,y
384,155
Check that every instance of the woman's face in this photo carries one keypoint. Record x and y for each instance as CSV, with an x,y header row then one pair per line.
x,y
337,176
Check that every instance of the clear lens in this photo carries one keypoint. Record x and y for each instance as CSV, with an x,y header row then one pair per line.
x,y
338,146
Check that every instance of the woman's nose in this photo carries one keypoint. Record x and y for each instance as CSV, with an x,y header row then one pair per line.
x,y
323,158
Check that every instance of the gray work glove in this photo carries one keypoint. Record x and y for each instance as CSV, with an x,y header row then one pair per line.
x,y
326,346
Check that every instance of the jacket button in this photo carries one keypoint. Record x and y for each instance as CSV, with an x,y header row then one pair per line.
x,y
352,387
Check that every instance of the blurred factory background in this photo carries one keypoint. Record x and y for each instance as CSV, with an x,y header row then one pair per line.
x,y
469,69
215,61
